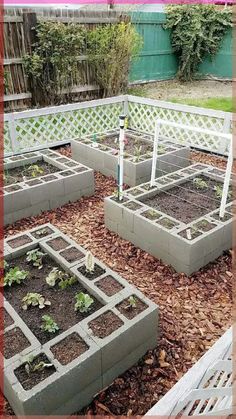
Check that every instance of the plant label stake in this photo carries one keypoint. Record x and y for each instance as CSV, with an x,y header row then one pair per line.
x,y
227,180
155,148
120,174
95,144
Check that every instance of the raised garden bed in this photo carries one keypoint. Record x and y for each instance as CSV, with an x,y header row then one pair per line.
x,y
55,365
102,155
42,180
177,220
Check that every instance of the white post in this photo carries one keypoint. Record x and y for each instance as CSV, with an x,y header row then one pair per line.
x,y
121,158
227,180
155,148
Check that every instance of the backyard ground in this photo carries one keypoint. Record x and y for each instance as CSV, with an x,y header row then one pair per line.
x,y
194,311
205,93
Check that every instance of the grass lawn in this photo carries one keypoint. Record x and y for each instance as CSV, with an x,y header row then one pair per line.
x,y
218,103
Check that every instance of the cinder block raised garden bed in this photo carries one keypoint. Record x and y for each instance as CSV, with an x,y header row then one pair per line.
x,y
42,180
178,219
55,372
102,155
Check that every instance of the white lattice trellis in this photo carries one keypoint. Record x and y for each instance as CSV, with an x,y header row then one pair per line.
x,y
144,112
206,389
46,127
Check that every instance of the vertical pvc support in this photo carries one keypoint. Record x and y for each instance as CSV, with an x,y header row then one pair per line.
x,y
121,158
227,180
155,148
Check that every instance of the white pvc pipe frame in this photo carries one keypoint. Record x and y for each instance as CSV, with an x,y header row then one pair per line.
x,y
121,157
221,135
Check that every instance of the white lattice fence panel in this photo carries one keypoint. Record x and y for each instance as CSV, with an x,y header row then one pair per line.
x,y
7,138
50,128
143,116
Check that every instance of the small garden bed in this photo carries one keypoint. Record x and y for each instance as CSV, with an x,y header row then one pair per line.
x,y
101,153
35,182
177,220
66,313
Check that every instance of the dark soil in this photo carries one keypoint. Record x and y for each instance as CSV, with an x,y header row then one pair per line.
x,y
42,232
167,223
151,215
6,318
131,312
186,203
109,285
105,324
28,381
72,254
135,192
194,234
133,206
19,241
98,271
226,217
58,244
131,145
14,342
17,174
49,178
34,182
204,225
67,173
62,301
69,348
13,188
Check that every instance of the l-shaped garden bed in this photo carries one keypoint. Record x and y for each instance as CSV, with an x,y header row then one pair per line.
x,y
42,180
177,220
72,325
101,153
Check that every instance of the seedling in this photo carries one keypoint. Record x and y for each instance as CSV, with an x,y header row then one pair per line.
x,y
89,262
137,153
14,275
29,367
49,325
41,232
132,302
34,170
36,258
83,302
64,279
34,299
219,192
5,265
161,149
200,183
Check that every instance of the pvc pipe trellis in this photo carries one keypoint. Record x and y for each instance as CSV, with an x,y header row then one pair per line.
x,y
120,174
221,135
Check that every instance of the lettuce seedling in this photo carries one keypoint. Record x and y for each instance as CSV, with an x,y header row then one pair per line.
x,y
83,302
49,325
34,299
35,257
14,276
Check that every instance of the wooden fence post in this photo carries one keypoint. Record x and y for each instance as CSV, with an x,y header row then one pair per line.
x,y
30,35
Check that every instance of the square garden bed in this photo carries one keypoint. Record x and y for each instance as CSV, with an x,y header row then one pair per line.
x,y
101,153
177,220
42,180
68,332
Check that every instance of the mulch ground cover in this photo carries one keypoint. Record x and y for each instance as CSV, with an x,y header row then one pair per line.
x,y
194,310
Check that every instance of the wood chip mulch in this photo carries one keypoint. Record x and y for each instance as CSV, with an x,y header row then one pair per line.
x,y
194,311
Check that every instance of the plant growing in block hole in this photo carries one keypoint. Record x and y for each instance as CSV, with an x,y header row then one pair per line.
x,y
36,258
83,302
49,325
30,368
34,299
14,276
89,262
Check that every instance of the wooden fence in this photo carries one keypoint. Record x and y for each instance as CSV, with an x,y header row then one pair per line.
x,y
17,42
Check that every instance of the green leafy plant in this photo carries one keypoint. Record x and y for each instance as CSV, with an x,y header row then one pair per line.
x,y
89,262
14,276
35,257
137,153
200,183
34,299
54,65
34,170
62,278
219,192
83,302
41,232
49,325
196,32
30,368
110,49
132,302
